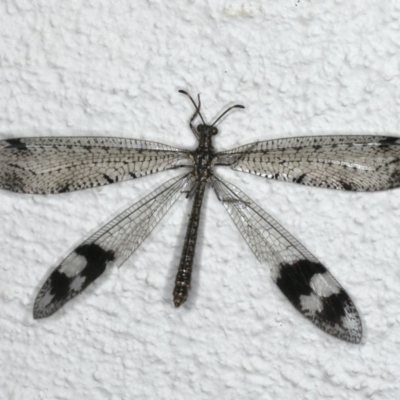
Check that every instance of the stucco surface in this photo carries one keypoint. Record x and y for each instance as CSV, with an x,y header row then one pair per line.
x,y
114,68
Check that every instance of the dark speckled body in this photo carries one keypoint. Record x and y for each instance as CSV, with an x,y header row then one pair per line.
x,y
203,157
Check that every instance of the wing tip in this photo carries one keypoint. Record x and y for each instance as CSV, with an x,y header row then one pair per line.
x,y
344,324
44,305
38,315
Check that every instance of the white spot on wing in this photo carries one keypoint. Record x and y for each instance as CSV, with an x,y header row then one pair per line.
x,y
76,284
311,303
352,322
324,285
45,300
73,265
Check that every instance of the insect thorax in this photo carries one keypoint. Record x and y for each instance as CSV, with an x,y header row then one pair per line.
x,y
204,154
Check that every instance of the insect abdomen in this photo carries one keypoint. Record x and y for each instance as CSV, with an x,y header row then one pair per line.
x,y
184,275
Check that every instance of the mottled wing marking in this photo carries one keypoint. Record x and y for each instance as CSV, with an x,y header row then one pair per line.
x,y
57,165
111,245
300,276
357,163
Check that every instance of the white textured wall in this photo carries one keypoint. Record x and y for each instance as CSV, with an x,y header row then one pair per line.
x,y
114,68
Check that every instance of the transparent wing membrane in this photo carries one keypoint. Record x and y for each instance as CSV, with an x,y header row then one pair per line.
x,y
299,275
57,165
112,245
355,163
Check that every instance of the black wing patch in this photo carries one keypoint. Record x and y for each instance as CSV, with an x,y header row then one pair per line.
x,y
57,165
94,259
355,163
111,245
301,277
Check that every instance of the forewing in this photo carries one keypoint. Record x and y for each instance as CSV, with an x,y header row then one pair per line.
x,y
356,163
111,245
299,275
57,165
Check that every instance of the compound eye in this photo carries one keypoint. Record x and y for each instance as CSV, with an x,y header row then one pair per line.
x,y
201,128
214,131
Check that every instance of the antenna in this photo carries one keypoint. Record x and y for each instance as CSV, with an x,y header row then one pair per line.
x,y
226,111
195,105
